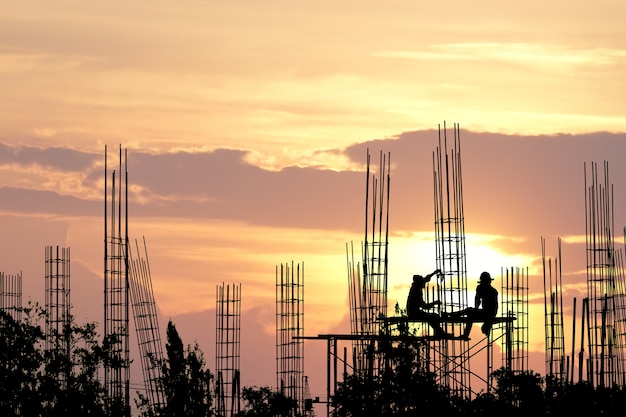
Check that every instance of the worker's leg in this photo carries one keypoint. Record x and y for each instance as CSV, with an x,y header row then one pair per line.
x,y
468,328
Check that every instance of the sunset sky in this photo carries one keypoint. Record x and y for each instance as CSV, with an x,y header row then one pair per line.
x,y
247,126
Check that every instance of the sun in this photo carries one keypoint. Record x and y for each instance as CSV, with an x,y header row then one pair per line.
x,y
487,253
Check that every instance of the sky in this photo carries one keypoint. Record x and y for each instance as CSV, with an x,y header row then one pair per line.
x,y
247,126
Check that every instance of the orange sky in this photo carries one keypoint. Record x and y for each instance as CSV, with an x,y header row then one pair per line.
x,y
247,127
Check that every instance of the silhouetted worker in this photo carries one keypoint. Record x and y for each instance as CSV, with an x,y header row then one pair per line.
x,y
416,306
487,298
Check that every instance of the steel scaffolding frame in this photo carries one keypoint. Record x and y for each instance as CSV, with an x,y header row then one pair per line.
x,y
116,294
514,304
368,292
289,333
11,295
227,349
451,358
147,326
57,304
553,311
604,307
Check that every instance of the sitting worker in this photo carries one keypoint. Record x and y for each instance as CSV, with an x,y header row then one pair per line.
x,y
485,307
417,308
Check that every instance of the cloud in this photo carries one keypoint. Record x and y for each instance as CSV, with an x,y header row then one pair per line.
x,y
54,157
516,183
537,55
215,208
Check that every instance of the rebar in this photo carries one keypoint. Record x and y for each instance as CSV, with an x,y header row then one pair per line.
x,y
147,326
227,349
289,333
116,294
57,305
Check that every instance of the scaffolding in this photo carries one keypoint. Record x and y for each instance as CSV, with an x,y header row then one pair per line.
x,y
57,305
11,295
450,358
289,334
147,326
358,310
227,349
372,331
368,292
116,294
556,365
620,312
515,306
603,309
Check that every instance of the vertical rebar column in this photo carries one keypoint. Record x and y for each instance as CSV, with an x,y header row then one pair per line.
x,y
514,307
553,315
357,321
57,304
11,295
620,315
147,326
227,349
289,333
370,303
452,364
116,294
605,359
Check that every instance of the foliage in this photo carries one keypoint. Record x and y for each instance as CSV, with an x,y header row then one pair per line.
x,y
35,381
521,391
265,402
186,382
584,399
21,364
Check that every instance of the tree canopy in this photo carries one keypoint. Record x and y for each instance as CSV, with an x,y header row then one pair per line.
x,y
39,380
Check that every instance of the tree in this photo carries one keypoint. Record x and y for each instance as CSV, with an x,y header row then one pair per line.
x,y
56,382
265,402
82,393
523,391
21,362
186,382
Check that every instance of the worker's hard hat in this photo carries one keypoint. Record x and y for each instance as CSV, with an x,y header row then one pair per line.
x,y
485,276
420,278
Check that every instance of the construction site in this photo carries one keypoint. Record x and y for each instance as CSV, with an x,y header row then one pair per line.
x,y
595,352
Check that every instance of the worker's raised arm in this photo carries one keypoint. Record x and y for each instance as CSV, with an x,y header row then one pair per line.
x,y
435,272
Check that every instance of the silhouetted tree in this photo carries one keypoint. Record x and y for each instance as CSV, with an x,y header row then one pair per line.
x,y
265,402
21,362
71,376
581,398
57,382
522,391
485,404
186,382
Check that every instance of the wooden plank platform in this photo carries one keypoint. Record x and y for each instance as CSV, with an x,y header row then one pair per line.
x,y
398,319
